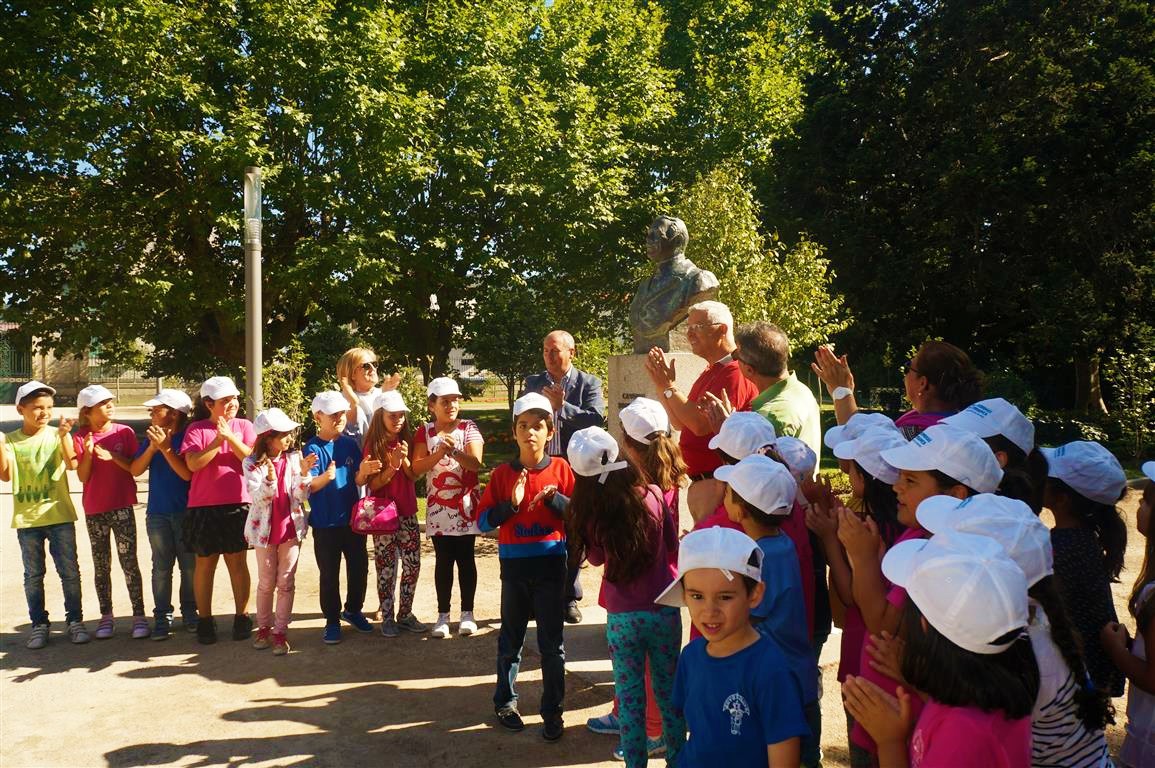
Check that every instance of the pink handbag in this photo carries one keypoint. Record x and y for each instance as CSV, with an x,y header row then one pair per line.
x,y
374,514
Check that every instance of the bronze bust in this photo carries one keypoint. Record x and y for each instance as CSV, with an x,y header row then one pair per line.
x,y
664,298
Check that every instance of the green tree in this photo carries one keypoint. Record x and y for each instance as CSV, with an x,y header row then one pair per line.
x,y
505,333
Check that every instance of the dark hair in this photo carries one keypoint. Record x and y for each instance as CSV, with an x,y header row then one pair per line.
x,y
42,392
201,409
377,440
1092,705
1007,681
946,482
1024,476
760,516
661,460
750,582
546,415
956,380
261,446
879,501
1145,576
764,347
1104,519
613,515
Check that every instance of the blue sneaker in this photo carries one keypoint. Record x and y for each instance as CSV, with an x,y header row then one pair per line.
x,y
332,634
358,620
606,724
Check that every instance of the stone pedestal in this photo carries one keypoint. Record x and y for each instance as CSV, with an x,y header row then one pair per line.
x,y
628,380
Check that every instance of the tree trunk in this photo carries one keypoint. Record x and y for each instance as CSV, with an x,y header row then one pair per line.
x,y
1088,388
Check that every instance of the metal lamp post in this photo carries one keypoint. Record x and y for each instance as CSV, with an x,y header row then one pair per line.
x,y
254,397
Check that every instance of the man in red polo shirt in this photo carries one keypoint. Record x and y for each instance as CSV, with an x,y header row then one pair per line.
x,y
710,331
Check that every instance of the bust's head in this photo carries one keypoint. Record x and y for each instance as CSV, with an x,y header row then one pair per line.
x,y
667,236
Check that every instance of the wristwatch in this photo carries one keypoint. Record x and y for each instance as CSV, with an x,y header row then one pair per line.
x,y
840,392
668,392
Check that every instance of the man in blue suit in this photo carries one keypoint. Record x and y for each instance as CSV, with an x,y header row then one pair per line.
x,y
576,397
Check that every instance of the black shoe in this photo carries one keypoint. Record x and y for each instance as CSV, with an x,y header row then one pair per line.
x,y
206,630
573,614
510,719
242,627
552,728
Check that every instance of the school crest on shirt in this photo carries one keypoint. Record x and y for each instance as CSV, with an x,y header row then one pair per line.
x,y
736,707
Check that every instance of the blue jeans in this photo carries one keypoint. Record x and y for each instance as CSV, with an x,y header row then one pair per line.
x,y
61,540
168,549
540,589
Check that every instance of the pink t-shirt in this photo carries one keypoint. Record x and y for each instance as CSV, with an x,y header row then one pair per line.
x,y
281,526
962,737
221,481
853,639
109,487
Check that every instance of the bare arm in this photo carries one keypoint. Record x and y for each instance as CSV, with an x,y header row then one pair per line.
x,y
1140,672
785,754
67,448
835,372
5,468
863,545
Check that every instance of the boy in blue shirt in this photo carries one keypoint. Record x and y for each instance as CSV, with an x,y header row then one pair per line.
x,y
759,496
741,701
332,494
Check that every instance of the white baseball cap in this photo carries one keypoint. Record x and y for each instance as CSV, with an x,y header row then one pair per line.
x,y
33,386
217,387
534,401
761,481
730,551
966,586
996,416
1148,469
593,452
1089,468
867,450
92,395
274,419
799,456
390,400
950,450
742,433
171,398
331,402
643,417
442,386
1009,522
859,422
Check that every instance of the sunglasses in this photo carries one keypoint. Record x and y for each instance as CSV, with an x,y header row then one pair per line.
x,y
908,367
366,367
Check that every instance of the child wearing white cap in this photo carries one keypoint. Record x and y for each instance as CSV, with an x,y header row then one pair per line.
x,y
278,481
742,702
760,495
386,470
618,520
1134,661
168,485
333,491
1084,483
105,450
526,499
1011,435
966,648
448,451
214,446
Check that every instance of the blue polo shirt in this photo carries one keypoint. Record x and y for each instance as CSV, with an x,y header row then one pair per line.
x,y
167,492
330,506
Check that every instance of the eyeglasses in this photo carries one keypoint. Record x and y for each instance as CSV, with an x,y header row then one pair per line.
x,y
908,367
700,326
370,366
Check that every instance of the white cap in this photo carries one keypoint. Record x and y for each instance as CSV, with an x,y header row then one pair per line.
x,y
1089,468
593,452
390,400
996,416
91,395
643,417
274,419
330,403
1010,522
950,450
172,398
726,549
534,401
742,433
442,386
858,423
761,481
867,450
1148,469
966,586
799,456
32,386
219,386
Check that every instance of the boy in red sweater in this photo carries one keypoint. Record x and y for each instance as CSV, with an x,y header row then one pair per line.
x,y
526,498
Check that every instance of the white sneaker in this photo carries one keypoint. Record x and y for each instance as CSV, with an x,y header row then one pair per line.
x,y
468,626
441,628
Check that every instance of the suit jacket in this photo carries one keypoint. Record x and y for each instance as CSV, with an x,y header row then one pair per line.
x,y
584,404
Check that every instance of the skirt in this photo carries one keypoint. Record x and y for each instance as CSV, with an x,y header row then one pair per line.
x,y
216,530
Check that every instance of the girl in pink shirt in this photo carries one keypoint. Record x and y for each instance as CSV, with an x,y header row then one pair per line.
x,y
278,482
105,450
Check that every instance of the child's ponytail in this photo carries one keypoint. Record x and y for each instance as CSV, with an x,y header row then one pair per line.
x,y
1024,476
1104,519
880,502
613,514
661,461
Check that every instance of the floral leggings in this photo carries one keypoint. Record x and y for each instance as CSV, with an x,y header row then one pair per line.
x,y
632,638
101,529
406,542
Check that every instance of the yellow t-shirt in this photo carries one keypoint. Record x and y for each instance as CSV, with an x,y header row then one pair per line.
x,y
39,480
